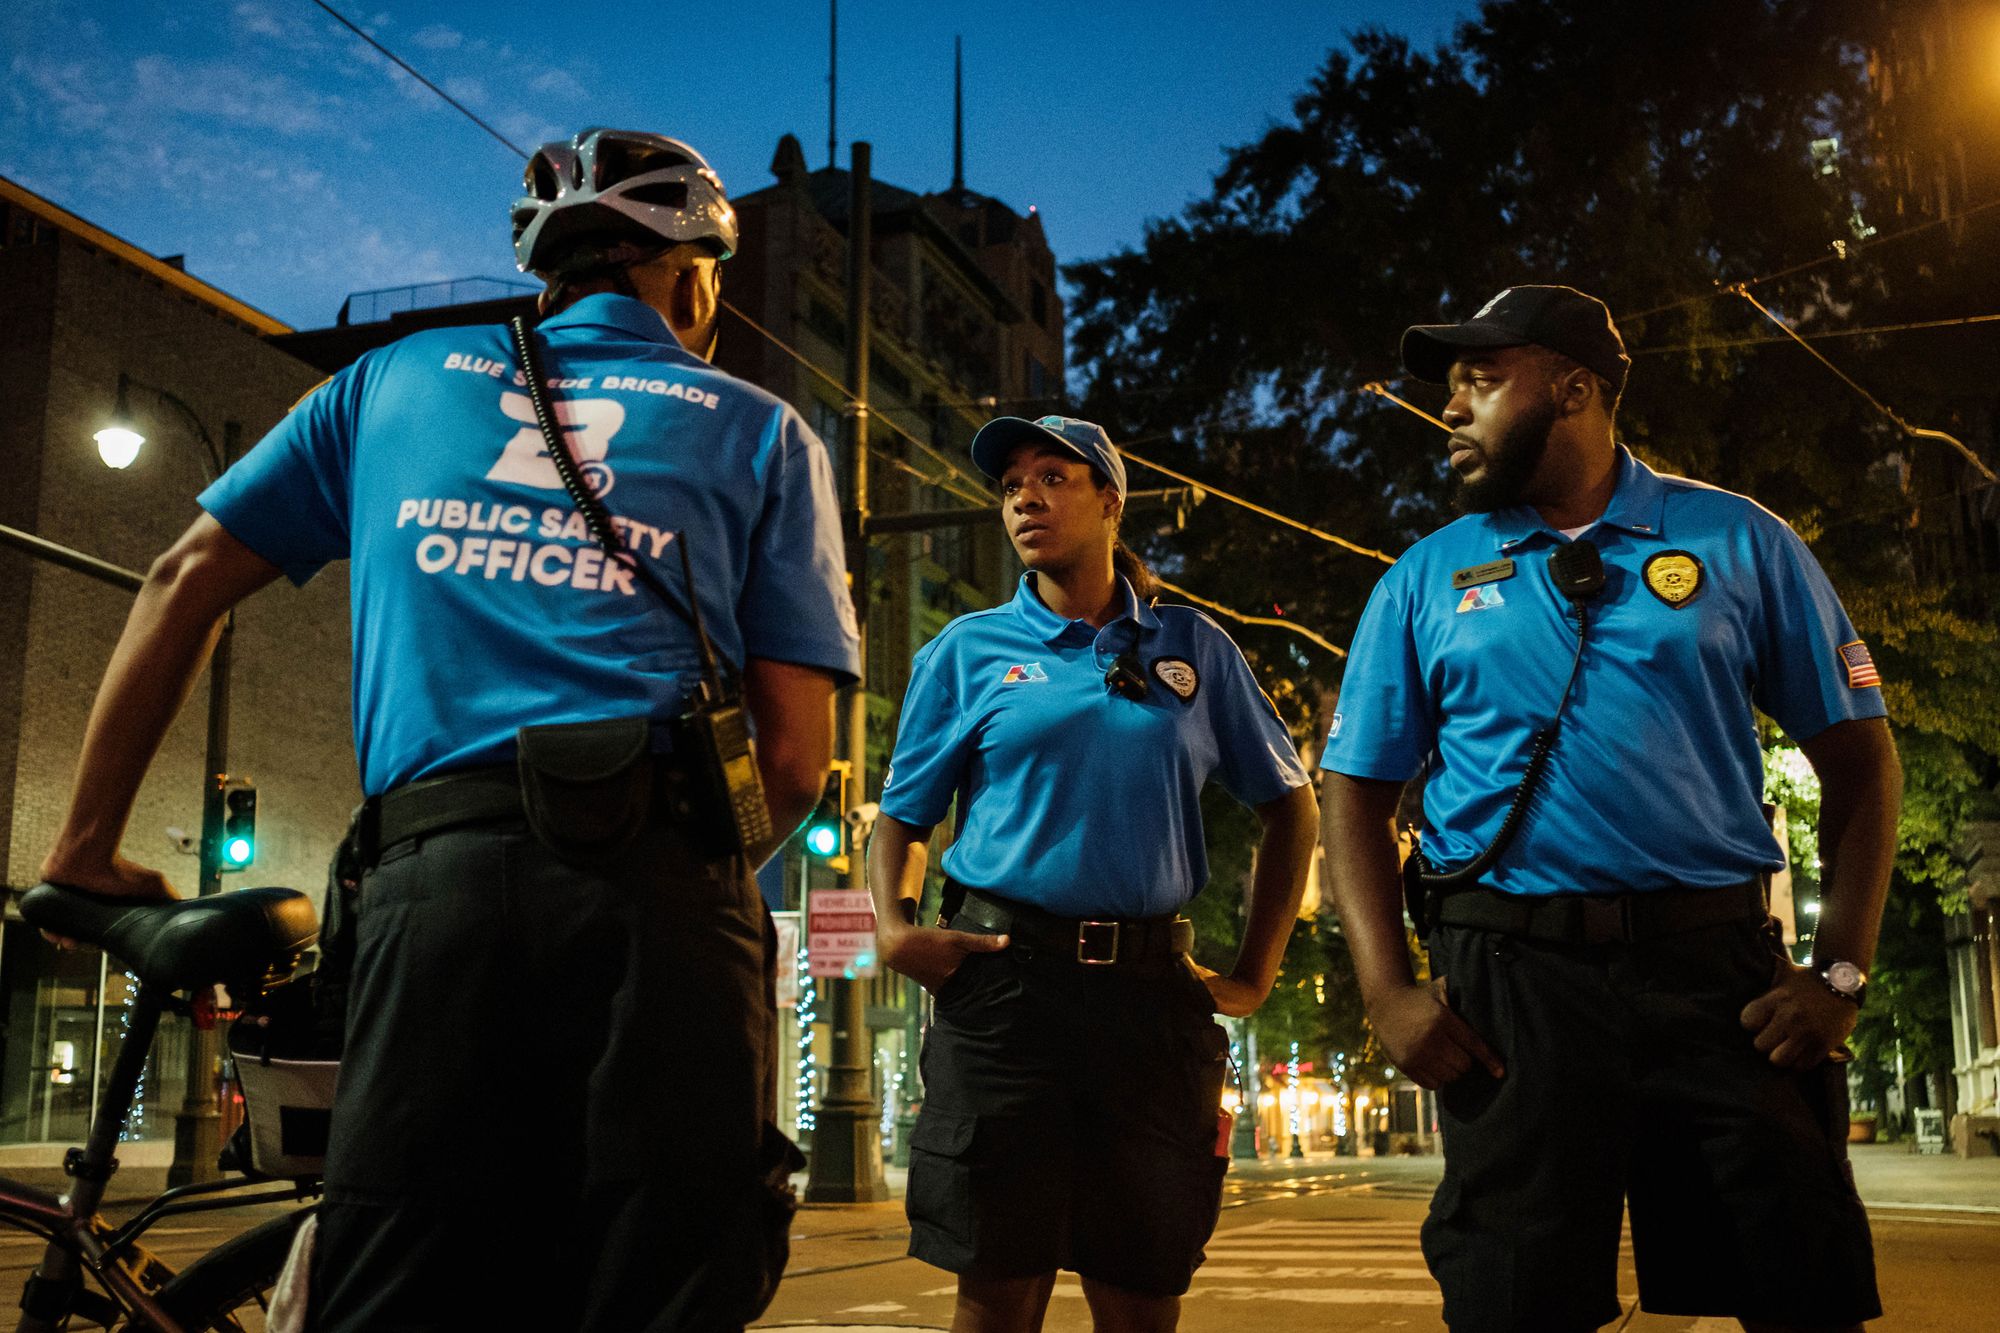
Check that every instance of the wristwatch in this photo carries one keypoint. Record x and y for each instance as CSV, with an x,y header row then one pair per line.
x,y
1846,980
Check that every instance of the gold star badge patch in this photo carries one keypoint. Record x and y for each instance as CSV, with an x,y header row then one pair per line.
x,y
1674,577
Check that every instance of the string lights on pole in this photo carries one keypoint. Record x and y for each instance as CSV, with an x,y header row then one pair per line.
x,y
135,1124
806,1082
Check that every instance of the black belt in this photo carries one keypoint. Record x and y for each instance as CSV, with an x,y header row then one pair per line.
x,y
1084,940
1625,918
454,800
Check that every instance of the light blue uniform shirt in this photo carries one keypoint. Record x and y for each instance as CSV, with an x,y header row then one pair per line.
x,y
1657,780
1070,797
479,602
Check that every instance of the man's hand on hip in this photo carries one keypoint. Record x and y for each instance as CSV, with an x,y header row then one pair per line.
x,y
1423,1038
1799,1022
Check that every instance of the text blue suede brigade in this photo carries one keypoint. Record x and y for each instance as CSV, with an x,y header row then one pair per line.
x,y
474,541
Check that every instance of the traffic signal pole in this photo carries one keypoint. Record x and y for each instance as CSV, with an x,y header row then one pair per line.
x,y
846,1164
198,1126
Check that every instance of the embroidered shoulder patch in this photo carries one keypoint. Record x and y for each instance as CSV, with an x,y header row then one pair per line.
x,y
1861,672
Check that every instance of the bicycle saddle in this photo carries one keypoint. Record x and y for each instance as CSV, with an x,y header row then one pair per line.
x,y
246,936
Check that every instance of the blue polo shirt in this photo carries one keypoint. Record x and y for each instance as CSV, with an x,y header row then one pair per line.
x,y
1070,797
479,602
1713,609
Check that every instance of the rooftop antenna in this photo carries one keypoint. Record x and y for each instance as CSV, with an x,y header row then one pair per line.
x,y
957,115
832,77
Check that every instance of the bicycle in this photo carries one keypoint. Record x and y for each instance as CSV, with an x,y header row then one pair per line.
x,y
248,941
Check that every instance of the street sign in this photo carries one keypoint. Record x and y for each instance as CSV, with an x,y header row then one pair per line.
x,y
840,933
787,926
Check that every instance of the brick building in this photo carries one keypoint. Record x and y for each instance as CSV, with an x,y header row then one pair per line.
x,y
83,308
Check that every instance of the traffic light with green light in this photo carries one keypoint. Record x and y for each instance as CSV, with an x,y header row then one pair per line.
x,y
826,832
237,846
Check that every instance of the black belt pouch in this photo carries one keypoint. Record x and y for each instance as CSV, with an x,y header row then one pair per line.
x,y
587,787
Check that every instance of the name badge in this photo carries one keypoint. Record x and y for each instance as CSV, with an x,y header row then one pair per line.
x,y
1491,572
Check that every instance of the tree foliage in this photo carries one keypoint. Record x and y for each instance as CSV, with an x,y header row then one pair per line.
x,y
1651,154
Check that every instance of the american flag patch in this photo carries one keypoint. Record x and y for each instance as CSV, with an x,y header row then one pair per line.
x,y
1861,673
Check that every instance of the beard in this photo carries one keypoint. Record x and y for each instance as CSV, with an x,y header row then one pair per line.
x,y
1510,461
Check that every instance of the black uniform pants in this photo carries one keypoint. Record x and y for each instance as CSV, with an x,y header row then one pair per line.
x,y
1630,1080
555,1102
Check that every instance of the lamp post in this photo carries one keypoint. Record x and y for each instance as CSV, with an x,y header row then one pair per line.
x,y
198,1126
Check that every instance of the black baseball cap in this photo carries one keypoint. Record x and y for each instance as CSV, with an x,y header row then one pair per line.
x,y
1561,319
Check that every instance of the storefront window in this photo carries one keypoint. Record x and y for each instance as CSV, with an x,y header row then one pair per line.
x,y
66,1015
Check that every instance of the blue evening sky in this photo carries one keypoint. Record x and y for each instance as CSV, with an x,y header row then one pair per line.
x,y
292,165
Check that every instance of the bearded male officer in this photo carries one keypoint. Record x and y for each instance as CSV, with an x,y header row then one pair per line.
x,y
1611,1021
545,1039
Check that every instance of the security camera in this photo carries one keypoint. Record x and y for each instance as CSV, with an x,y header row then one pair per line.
x,y
184,842
861,816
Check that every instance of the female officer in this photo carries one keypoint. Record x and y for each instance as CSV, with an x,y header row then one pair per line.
x,y
1073,1070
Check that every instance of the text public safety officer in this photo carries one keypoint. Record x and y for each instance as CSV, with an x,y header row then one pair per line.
x,y
1072,1081
581,1039
1611,1020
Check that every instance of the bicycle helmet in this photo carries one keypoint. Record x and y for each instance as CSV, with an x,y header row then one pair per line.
x,y
609,197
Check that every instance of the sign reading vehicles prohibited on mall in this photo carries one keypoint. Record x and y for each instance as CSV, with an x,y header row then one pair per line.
x,y
840,933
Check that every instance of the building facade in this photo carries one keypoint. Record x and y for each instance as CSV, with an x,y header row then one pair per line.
x,y
83,309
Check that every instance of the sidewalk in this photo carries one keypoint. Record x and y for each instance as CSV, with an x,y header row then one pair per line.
x,y
1890,1175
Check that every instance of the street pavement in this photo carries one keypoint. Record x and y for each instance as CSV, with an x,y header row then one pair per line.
x,y
1333,1241
1324,1242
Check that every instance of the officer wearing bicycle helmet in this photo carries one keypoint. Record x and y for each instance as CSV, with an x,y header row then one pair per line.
x,y
561,1016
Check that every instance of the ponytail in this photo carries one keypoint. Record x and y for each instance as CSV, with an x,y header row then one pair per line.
x,y
1134,571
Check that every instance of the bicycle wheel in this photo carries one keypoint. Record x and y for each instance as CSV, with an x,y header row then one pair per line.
x,y
228,1288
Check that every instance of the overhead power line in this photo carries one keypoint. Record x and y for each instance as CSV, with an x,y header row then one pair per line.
x,y
1256,508
955,479
1249,619
1916,432
1381,390
408,69
952,470
1837,252
1725,344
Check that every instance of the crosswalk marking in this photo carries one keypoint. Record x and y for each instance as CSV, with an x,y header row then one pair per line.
x,y
1325,1295
1287,1274
1340,1252
1363,1253
1372,1262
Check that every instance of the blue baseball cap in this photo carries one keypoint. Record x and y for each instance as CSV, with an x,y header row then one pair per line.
x,y
1086,439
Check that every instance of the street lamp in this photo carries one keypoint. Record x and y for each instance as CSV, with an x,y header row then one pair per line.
x,y
198,1126
118,444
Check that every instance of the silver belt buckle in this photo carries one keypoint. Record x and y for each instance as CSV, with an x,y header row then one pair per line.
x,y
1097,942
